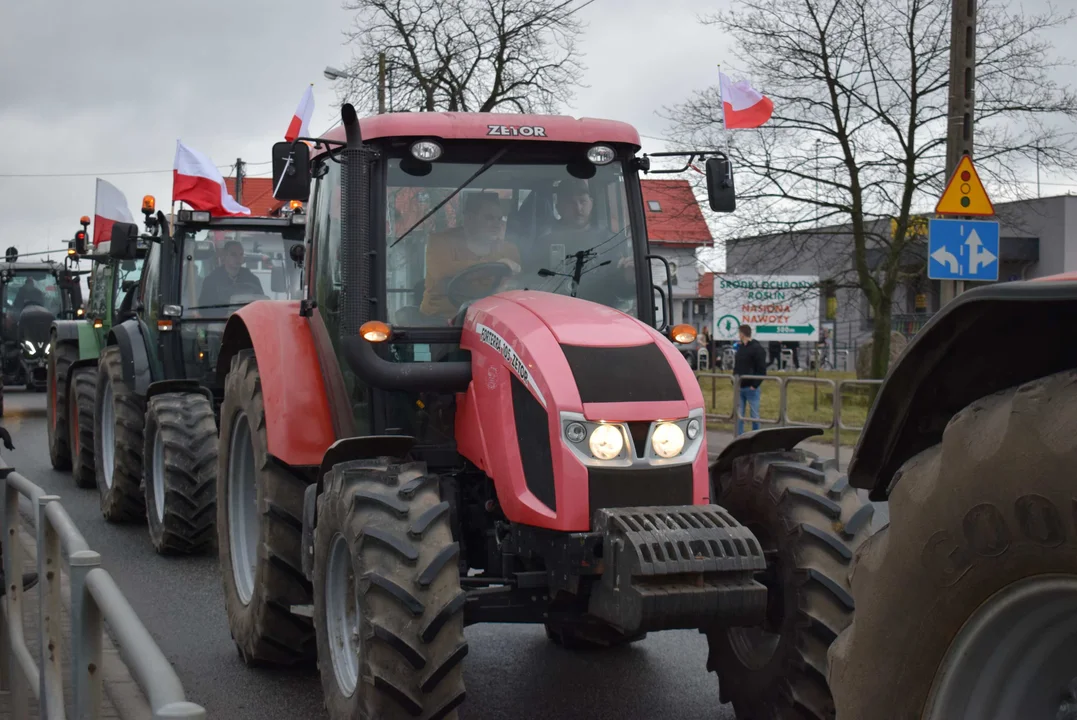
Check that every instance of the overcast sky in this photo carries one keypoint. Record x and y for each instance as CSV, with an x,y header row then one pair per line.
x,y
106,86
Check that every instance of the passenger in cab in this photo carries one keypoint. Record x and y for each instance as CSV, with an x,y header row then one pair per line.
x,y
228,279
480,238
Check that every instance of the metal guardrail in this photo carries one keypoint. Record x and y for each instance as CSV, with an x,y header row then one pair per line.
x,y
95,599
737,418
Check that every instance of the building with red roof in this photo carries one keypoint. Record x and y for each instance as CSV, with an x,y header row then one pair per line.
x,y
257,195
676,228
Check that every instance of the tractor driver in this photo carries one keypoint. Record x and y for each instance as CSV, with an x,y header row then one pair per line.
x,y
228,279
576,231
480,238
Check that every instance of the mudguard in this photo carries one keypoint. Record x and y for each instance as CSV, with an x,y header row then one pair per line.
x,y
136,364
179,386
67,330
986,340
299,426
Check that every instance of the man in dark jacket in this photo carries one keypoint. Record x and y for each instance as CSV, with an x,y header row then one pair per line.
x,y
751,359
229,279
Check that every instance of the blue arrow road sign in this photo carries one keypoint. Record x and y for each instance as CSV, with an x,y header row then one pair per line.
x,y
963,250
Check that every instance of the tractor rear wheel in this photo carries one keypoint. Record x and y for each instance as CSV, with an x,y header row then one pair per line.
x,y
180,455
82,392
60,359
118,422
388,608
809,521
967,602
259,531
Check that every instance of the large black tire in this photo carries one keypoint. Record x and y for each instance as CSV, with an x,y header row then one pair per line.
x,y
265,630
120,484
589,637
185,469
60,359
990,506
808,521
82,394
410,639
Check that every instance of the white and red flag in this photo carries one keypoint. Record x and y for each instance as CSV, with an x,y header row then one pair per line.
x,y
300,125
197,182
110,207
742,105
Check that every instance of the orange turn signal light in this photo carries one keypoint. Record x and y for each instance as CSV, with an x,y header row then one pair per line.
x,y
149,203
98,323
375,331
294,204
84,220
683,334
164,325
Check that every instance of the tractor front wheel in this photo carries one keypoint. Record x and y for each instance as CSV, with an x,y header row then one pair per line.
x,y
966,605
118,424
388,608
259,531
808,521
60,359
181,472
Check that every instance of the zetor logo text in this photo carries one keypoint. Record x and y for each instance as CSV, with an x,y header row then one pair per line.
x,y
516,130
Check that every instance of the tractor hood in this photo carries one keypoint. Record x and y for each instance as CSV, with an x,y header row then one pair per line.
x,y
581,356
549,375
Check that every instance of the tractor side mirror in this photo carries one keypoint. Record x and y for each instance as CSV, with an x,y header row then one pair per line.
x,y
123,241
277,282
720,189
291,171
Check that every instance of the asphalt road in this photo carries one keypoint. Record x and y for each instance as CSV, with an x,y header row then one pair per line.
x,y
511,671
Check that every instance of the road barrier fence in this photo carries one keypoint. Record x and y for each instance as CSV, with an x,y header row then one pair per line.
x,y
737,418
95,600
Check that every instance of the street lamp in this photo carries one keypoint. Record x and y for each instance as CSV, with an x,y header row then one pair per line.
x,y
331,73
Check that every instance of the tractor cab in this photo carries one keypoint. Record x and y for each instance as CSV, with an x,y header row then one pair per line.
x,y
449,215
32,296
196,276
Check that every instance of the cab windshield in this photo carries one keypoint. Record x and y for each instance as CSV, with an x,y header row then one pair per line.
x,y
128,270
529,226
34,287
224,269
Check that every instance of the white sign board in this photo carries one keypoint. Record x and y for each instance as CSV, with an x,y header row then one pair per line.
x,y
777,307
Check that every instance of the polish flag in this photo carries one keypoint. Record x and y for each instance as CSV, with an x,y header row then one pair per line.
x,y
197,182
110,207
300,125
742,105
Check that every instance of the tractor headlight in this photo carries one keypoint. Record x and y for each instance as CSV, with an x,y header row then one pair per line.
x,y
29,347
606,442
668,440
48,347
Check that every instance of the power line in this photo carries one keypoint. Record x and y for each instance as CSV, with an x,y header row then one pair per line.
x,y
118,172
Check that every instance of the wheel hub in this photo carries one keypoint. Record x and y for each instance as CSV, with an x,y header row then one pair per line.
x,y
1015,657
342,615
108,433
159,475
244,520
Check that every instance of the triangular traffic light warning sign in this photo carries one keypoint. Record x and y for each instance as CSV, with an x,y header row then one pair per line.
x,y
965,194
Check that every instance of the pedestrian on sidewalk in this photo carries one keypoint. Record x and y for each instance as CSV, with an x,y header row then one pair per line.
x,y
29,580
751,359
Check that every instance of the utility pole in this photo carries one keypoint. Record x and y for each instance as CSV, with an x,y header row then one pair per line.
x,y
962,104
239,180
381,83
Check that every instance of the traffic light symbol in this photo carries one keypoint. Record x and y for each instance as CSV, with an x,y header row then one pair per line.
x,y
965,194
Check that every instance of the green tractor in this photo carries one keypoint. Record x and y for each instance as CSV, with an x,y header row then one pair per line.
x,y
158,391
76,343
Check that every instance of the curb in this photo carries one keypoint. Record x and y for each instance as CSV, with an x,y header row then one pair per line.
x,y
123,692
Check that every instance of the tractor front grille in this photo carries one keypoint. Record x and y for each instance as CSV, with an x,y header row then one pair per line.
x,y
639,487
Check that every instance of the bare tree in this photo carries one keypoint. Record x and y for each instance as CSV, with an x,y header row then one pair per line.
x,y
466,55
858,135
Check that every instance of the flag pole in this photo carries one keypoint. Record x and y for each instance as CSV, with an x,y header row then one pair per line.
x,y
721,101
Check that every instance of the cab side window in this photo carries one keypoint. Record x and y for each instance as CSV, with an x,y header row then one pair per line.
x,y
151,282
101,287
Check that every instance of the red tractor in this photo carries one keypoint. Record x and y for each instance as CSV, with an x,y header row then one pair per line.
x,y
474,415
